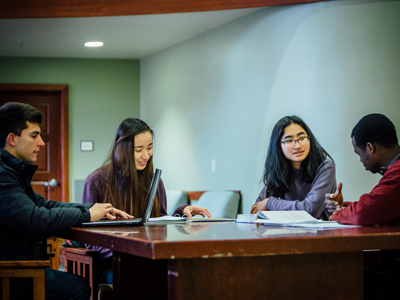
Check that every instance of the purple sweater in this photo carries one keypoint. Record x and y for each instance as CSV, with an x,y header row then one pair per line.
x,y
306,196
92,194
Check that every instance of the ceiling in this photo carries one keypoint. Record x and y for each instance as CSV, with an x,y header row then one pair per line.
x,y
124,37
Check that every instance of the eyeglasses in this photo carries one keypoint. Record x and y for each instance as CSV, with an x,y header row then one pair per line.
x,y
290,143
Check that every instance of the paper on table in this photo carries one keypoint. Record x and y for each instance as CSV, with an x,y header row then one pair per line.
x,y
296,218
323,224
284,217
167,219
246,218
287,230
277,215
171,219
210,220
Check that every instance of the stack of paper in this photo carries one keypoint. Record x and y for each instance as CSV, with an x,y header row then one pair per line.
x,y
295,218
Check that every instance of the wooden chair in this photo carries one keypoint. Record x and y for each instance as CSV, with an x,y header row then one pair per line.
x,y
195,195
82,261
53,252
24,269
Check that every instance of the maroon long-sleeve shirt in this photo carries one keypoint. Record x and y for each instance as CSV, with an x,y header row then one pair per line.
x,y
380,206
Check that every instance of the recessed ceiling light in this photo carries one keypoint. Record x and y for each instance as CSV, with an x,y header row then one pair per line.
x,y
94,44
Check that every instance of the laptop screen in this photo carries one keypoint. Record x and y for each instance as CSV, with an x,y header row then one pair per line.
x,y
151,196
147,211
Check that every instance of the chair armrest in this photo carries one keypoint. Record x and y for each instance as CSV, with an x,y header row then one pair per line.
x,y
25,264
34,269
81,251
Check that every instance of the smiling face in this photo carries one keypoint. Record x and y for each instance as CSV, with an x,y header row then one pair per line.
x,y
26,147
297,153
143,149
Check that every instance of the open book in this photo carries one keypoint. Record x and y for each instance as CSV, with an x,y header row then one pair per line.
x,y
295,218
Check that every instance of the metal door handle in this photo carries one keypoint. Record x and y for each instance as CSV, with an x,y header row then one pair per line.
x,y
52,183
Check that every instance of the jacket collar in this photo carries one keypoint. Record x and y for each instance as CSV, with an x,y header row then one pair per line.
x,y
21,167
383,169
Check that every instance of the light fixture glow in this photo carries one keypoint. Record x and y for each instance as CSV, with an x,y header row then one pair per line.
x,y
94,44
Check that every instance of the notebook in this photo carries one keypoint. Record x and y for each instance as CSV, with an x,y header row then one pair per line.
x,y
136,221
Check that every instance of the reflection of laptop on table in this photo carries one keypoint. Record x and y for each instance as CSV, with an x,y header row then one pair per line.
x,y
147,210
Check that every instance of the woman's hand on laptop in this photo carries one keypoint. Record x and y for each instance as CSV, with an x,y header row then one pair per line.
x,y
192,210
105,210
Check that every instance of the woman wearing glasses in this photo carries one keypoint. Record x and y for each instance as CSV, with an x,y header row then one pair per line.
x,y
298,171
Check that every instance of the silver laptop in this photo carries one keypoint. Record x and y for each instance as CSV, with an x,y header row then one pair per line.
x,y
136,221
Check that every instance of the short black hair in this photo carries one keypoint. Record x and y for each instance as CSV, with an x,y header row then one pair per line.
x,y
13,118
374,128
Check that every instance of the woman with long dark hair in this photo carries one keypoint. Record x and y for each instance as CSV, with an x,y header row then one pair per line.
x,y
298,171
124,181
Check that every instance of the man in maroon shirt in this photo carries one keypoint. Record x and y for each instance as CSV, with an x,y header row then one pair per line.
x,y
375,141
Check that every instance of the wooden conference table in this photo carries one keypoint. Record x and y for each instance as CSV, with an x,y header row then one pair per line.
x,y
228,260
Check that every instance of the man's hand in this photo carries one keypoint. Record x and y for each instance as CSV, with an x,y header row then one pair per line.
x,y
105,210
193,210
119,214
331,206
99,211
262,205
334,202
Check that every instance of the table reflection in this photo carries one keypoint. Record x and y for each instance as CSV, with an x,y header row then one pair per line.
x,y
213,231
191,228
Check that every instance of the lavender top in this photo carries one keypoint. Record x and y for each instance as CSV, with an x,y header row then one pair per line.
x,y
306,196
92,194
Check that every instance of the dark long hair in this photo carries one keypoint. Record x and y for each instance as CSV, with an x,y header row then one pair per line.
x,y
278,169
122,185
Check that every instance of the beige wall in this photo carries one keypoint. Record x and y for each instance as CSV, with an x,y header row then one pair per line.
x,y
218,95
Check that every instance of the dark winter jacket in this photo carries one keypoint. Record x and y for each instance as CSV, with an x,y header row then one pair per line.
x,y
27,218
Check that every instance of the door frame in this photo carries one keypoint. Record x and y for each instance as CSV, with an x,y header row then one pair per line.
x,y
64,138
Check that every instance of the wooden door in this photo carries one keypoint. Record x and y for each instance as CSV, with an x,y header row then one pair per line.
x,y
53,156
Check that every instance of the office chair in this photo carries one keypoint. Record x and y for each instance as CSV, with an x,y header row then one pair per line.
x,y
175,198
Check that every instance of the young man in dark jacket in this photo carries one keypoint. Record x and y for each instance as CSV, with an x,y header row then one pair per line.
x,y
27,218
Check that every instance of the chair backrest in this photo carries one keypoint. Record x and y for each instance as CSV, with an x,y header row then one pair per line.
x,y
30,269
83,262
176,198
221,204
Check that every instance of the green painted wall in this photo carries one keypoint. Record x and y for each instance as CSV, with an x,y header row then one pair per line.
x,y
102,92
